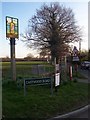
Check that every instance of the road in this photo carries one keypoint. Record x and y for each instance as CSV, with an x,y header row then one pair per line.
x,y
80,113
85,73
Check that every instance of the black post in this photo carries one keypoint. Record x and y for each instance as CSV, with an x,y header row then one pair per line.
x,y
13,62
51,86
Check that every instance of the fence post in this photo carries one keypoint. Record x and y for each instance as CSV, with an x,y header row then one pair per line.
x,y
24,88
70,72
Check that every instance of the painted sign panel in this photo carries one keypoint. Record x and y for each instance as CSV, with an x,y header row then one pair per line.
x,y
11,27
75,55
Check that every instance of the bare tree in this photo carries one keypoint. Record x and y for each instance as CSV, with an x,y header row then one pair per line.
x,y
29,55
53,28
44,53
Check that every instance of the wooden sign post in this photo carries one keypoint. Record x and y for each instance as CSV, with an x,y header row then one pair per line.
x,y
13,62
11,34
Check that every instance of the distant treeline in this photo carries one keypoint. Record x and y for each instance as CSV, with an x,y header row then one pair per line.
x,y
24,59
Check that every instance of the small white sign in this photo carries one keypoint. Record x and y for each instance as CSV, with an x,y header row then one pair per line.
x,y
75,58
57,67
57,79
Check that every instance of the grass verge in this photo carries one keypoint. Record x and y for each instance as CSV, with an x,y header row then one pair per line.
x,y
39,104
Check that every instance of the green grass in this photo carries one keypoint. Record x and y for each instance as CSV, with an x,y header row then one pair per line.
x,y
23,69
39,103
25,63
